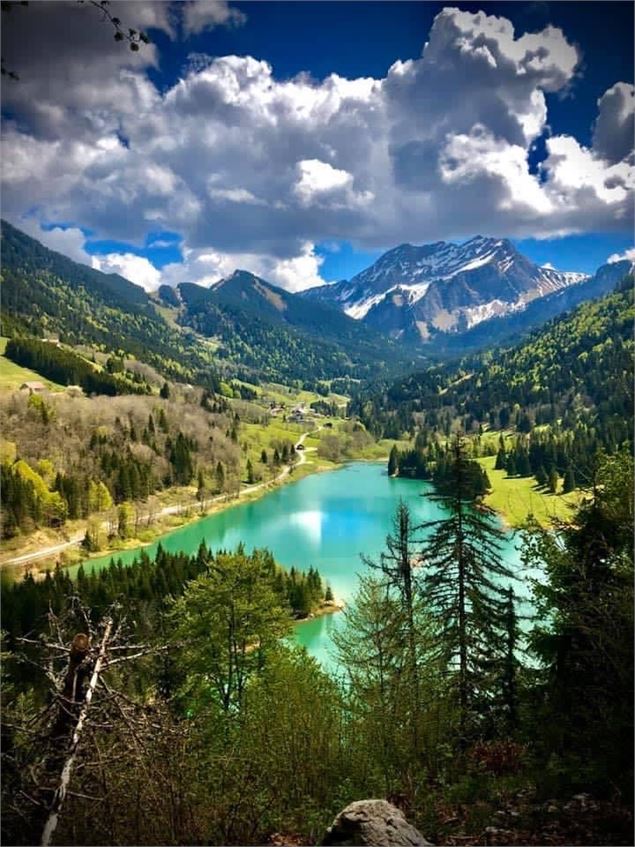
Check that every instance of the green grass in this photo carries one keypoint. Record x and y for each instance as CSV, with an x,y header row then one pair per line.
x,y
515,498
278,393
12,376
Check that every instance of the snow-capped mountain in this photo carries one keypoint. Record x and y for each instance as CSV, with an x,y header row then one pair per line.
x,y
416,292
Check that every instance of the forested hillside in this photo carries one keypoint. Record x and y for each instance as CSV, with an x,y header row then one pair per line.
x,y
281,336
65,458
242,327
566,391
45,293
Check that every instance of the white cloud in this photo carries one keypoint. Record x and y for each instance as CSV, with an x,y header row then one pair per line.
x,y
203,15
69,241
321,184
615,126
618,257
206,267
137,269
250,169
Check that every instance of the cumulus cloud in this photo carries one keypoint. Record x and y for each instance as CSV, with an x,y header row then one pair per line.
x,y
321,184
295,273
615,126
137,269
618,257
67,240
255,171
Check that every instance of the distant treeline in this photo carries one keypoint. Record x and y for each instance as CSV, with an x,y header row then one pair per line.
x,y
143,587
67,368
433,461
567,391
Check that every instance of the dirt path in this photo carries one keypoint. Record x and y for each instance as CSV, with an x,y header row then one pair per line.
x,y
77,538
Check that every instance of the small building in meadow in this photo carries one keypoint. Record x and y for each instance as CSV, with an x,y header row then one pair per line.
x,y
33,387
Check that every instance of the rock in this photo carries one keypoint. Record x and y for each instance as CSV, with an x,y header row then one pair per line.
x,y
373,822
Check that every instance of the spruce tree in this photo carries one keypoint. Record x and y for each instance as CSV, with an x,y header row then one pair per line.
x,y
553,481
569,481
220,477
461,584
397,566
510,666
393,461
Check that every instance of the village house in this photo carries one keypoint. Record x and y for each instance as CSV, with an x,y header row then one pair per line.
x,y
33,387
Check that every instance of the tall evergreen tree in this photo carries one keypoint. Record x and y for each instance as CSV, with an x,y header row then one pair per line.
x,y
462,585
397,566
393,461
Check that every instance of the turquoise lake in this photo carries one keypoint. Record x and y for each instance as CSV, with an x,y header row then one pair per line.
x,y
326,520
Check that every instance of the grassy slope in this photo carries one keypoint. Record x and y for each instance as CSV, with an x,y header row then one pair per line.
x,y
515,498
12,376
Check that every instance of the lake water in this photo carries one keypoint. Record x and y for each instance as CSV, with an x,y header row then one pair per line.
x,y
326,520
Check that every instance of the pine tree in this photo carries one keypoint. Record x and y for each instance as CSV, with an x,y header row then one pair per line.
x,y
463,569
263,457
510,665
393,461
397,566
501,460
541,475
569,480
553,481
250,473
220,477
165,391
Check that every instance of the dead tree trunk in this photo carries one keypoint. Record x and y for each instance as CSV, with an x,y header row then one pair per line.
x,y
65,776
72,693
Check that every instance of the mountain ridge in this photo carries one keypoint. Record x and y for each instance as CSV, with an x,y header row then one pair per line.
x,y
417,293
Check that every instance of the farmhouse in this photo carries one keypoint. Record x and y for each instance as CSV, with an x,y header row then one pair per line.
x,y
33,387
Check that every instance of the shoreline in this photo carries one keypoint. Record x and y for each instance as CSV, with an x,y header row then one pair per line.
x,y
327,607
38,562
190,513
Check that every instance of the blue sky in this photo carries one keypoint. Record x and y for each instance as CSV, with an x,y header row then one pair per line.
x,y
180,163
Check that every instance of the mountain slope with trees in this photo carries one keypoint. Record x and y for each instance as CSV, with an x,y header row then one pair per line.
x,y
283,337
566,392
44,293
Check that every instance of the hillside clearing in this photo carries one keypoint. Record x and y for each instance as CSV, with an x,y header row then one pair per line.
x,y
515,498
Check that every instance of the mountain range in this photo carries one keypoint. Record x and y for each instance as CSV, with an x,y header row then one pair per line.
x,y
413,304
427,293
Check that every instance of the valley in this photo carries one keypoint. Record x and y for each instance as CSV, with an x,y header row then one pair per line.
x,y
242,460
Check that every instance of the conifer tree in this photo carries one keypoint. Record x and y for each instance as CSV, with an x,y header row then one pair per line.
x,y
569,481
461,583
220,477
553,481
397,566
393,461
510,666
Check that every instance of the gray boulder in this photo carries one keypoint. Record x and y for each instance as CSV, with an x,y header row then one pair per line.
x,y
373,822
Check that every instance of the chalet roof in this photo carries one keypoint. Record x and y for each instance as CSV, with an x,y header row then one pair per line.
x,y
34,385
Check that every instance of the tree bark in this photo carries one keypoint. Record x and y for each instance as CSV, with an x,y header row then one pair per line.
x,y
67,770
